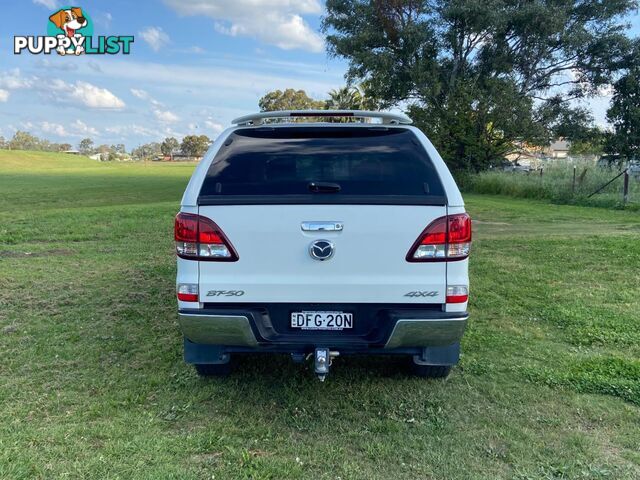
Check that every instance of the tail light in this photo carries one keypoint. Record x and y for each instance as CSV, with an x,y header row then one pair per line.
x,y
187,292
199,238
446,238
457,293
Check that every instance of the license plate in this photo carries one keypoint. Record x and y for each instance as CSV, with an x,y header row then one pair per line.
x,y
321,320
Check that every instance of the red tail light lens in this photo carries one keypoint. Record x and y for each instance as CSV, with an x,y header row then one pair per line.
x,y
446,238
457,293
199,238
187,292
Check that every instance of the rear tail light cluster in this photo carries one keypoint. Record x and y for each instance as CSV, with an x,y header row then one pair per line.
x,y
457,293
446,238
199,238
187,292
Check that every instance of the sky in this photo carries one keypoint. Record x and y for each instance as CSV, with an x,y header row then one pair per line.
x,y
193,67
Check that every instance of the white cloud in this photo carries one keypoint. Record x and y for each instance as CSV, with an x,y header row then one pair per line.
x,y
165,116
246,84
77,129
56,89
13,80
4,95
96,97
276,22
155,37
81,128
54,128
214,127
141,94
144,95
50,4
135,129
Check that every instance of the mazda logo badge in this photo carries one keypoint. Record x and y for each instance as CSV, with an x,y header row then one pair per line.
x,y
321,250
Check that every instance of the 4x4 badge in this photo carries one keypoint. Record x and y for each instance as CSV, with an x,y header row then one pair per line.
x,y
421,294
321,250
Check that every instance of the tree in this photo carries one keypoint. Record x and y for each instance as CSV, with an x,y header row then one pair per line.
x,y
479,76
345,98
146,151
290,99
624,112
352,98
63,147
3,143
195,145
169,146
24,141
86,146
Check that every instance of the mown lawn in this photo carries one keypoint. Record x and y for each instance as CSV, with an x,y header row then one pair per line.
x,y
92,384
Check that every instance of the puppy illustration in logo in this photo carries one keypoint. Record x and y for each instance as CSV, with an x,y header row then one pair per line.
x,y
69,21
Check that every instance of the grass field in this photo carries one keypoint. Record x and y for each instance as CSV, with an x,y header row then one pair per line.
x,y
92,384
556,185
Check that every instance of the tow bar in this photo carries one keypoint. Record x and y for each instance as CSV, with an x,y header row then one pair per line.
x,y
323,358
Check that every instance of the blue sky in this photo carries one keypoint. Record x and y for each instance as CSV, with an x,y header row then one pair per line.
x,y
194,66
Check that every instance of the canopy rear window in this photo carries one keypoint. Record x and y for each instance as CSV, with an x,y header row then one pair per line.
x,y
357,164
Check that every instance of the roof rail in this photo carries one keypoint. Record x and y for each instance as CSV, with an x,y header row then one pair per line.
x,y
387,118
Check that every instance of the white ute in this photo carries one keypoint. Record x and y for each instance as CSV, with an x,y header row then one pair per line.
x,y
322,238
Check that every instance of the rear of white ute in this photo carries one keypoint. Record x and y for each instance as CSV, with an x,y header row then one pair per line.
x,y
322,239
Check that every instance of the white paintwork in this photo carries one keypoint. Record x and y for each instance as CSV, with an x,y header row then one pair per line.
x,y
369,264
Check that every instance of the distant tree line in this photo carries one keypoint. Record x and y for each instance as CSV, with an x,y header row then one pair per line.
x,y
25,141
192,146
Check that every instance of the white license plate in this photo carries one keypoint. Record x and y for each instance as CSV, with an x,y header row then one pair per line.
x,y
321,320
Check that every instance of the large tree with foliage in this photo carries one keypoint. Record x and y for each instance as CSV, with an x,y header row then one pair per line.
x,y
146,151
624,113
86,146
289,99
24,141
479,75
195,145
169,146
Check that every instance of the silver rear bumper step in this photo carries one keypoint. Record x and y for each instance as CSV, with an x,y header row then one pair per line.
x,y
236,330
426,332
218,329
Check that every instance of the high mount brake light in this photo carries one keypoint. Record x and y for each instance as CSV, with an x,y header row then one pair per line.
x,y
199,238
447,238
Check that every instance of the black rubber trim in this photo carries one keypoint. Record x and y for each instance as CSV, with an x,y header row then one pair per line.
x,y
322,199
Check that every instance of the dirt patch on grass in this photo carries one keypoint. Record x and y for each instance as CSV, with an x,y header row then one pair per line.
x,y
43,253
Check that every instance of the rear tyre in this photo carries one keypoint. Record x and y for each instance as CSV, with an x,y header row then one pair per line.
x,y
213,369
430,371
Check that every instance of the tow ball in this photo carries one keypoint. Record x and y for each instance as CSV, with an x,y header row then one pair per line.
x,y
323,358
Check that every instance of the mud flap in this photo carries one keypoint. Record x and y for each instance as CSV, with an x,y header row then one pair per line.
x,y
447,355
204,354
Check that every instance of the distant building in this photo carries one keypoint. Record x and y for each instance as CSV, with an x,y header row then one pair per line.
x,y
176,157
558,149
72,152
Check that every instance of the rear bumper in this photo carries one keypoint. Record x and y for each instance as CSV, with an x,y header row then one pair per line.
x,y
391,329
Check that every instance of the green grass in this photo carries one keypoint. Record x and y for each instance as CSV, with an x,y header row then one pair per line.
x,y
92,384
556,184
